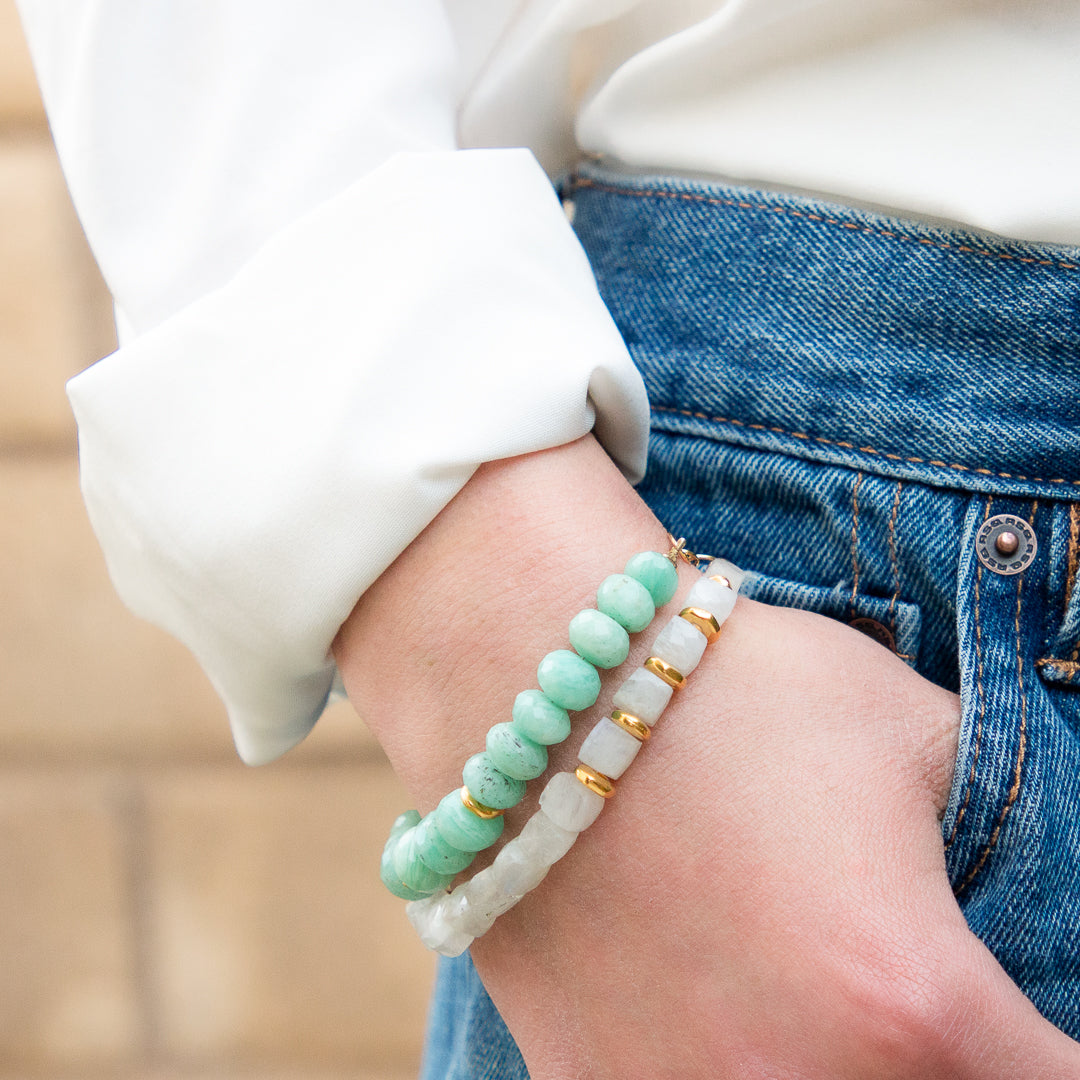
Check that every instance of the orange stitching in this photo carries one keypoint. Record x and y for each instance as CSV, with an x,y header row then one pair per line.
x,y
1074,557
861,449
981,695
892,557
1021,747
1070,666
687,196
854,544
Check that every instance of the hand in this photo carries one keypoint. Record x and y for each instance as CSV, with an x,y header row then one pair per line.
x,y
766,894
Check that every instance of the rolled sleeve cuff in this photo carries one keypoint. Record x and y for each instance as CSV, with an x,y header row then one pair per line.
x,y
255,462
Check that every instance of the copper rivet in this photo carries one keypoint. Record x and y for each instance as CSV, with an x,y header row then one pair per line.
x,y
878,631
1007,543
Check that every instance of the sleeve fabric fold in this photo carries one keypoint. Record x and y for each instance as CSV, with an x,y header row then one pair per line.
x,y
335,316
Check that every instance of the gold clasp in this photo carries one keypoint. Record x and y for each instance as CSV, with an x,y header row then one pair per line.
x,y
679,550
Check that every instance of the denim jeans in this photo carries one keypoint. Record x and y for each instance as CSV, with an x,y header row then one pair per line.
x,y
842,402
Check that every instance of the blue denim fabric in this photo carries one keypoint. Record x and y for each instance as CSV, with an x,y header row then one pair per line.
x,y
840,400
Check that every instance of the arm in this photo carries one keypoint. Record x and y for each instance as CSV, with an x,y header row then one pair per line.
x,y
766,895
332,316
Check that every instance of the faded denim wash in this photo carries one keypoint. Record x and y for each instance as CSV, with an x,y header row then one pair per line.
x,y
840,400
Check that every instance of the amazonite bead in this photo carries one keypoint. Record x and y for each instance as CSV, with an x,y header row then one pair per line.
x,y
412,871
491,786
656,572
539,718
599,639
461,828
434,852
387,873
569,681
515,754
643,695
715,598
569,803
403,823
627,601
389,878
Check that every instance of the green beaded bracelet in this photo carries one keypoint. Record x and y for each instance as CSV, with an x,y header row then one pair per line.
x,y
422,855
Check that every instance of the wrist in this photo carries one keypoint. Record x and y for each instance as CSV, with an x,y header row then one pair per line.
x,y
436,650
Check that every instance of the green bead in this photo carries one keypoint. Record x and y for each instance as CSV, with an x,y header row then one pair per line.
x,y
404,822
515,754
389,875
627,601
491,786
539,718
656,572
436,853
599,638
412,871
572,683
461,828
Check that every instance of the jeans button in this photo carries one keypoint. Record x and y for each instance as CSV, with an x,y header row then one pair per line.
x,y
1006,544
878,631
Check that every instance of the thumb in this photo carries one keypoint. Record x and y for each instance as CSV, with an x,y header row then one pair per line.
x,y
1001,1034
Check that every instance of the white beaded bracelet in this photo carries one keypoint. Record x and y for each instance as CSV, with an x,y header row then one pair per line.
x,y
449,922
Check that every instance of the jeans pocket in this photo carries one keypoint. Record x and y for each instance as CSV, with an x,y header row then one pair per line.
x,y
894,623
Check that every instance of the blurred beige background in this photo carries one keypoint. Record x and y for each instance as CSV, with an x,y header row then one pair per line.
x,y
165,912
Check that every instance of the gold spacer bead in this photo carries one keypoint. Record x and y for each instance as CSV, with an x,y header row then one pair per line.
x,y
478,808
632,725
663,670
603,785
705,621
722,580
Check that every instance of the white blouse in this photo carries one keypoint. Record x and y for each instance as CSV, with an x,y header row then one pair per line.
x,y
341,284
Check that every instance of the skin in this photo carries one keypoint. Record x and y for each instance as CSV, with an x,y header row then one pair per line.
x,y
765,896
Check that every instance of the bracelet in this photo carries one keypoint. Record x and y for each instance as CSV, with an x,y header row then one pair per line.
x,y
423,855
448,922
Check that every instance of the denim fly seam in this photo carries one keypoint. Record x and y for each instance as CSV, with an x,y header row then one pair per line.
x,y
840,400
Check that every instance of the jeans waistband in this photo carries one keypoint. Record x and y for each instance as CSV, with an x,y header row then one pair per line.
x,y
841,334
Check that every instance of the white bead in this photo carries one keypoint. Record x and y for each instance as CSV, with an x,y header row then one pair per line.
x,y
518,871
715,598
545,840
609,749
419,911
569,803
435,929
643,695
681,644
487,895
463,912
729,570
